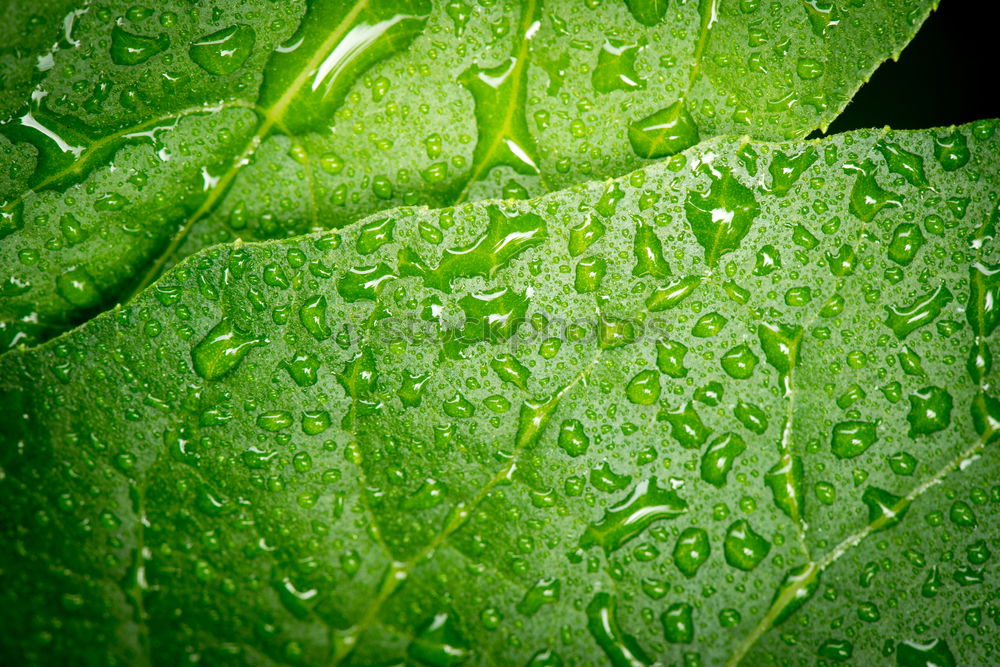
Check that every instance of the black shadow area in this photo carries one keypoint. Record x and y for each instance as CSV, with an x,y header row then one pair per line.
x,y
947,75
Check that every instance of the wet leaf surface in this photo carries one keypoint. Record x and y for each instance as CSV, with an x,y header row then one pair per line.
x,y
706,413
132,136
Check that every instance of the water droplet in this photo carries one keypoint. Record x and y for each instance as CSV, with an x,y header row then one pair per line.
x,y
691,551
685,426
589,274
885,510
719,458
798,585
431,493
224,51
907,240
961,514
500,96
303,369
375,234
544,591
809,69
935,653
615,68
785,479
786,169
629,517
458,407
744,549
708,325
665,132
930,411
130,49
307,103
504,239
952,151
672,294
767,261
853,438
678,625
362,283
221,350
439,643
900,161
607,480
722,217
509,369
585,235
823,15
867,196
644,388
411,388
752,417
491,318
838,650
905,319
739,362
572,438
647,12
648,252
78,287
670,358
314,423
780,343
312,315
983,306
622,649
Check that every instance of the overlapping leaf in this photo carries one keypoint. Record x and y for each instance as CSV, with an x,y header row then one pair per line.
x,y
154,131
739,405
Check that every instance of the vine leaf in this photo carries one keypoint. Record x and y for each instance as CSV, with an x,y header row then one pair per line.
x,y
536,432
131,137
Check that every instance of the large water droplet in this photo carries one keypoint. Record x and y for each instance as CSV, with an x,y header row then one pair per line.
x,y
644,388
930,411
223,51
543,592
345,40
952,151
934,653
78,287
221,350
744,549
905,319
721,217
885,509
853,438
131,49
691,551
631,516
719,458
621,649
900,161
786,169
615,68
678,624
439,643
665,132
685,426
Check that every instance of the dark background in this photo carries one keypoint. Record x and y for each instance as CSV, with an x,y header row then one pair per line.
x,y
946,76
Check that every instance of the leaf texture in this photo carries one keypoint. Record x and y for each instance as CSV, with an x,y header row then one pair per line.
x,y
737,407
145,134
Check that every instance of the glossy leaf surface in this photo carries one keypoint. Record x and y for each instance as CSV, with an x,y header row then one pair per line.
x,y
718,410
132,136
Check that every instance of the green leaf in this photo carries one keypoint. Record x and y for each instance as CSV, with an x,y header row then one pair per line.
x,y
424,438
145,134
